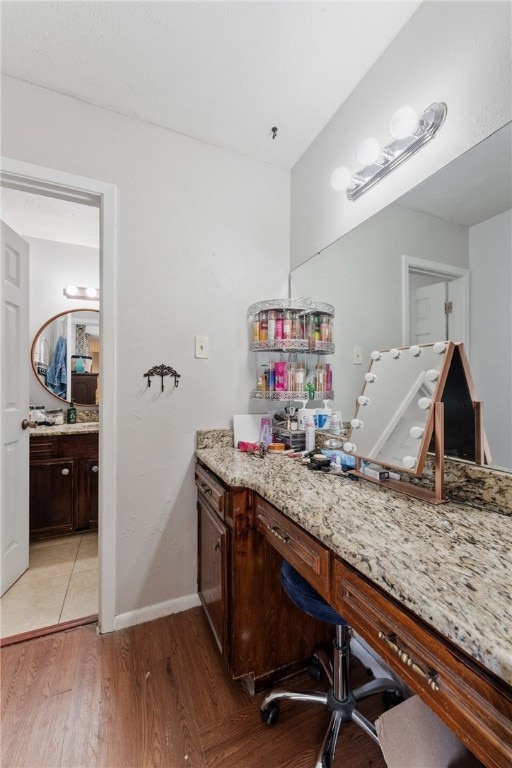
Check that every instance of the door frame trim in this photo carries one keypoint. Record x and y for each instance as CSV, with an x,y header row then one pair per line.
x,y
411,264
37,176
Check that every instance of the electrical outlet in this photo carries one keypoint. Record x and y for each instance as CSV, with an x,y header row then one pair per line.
x,y
201,348
357,355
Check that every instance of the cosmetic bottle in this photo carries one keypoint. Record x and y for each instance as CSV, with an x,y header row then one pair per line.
x,y
310,433
279,325
263,326
271,325
299,377
280,369
287,325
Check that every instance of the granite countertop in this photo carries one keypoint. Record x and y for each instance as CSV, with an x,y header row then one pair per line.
x,y
450,564
80,428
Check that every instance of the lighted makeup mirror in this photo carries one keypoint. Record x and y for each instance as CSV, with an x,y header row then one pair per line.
x,y
411,394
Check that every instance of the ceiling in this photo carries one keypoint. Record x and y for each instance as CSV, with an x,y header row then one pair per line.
x,y
221,72
47,218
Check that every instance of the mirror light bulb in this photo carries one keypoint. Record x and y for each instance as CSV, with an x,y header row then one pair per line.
x,y
404,123
91,292
349,447
370,378
395,353
409,462
416,432
439,347
376,355
363,400
368,151
357,424
424,403
432,375
415,350
341,179
71,290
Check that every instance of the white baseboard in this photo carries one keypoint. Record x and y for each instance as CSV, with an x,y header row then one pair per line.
x,y
150,612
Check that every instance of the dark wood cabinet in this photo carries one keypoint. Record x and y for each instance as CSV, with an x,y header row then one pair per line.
x,y
472,702
212,572
262,636
83,388
63,484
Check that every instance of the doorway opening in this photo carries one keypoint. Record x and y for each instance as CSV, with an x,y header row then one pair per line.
x,y
80,191
60,586
435,302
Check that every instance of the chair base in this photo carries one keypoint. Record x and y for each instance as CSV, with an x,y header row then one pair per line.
x,y
339,699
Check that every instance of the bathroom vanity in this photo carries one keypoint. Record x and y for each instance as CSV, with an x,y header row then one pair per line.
x,y
64,473
427,586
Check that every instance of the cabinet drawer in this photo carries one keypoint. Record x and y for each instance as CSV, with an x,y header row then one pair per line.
x,y
79,446
43,447
472,702
211,489
302,551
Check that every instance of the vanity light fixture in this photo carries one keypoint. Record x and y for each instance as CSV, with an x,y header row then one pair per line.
x,y
81,292
410,133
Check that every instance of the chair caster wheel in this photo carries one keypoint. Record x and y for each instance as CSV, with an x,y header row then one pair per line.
x,y
270,714
390,699
315,669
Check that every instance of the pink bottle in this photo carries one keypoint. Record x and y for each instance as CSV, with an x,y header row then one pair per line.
x,y
280,376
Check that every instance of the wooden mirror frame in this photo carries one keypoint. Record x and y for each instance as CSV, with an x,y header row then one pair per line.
x,y
33,346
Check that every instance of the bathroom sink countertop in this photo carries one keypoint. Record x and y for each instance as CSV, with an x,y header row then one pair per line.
x,y
450,564
84,427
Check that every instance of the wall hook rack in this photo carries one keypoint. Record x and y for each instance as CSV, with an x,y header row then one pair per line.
x,y
162,370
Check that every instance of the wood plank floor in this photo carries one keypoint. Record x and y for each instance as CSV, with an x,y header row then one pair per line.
x,y
154,695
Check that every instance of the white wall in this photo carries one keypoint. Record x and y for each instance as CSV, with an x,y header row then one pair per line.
x,y
456,52
490,260
52,266
202,234
361,276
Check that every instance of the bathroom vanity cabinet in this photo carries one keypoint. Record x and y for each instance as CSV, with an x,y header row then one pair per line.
x,y
64,473
261,635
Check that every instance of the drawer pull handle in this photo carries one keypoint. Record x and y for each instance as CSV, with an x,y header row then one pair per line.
x,y
429,676
205,488
217,546
95,468
65,471
279,534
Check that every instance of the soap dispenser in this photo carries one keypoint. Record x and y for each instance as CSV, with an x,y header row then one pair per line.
x,y
71,414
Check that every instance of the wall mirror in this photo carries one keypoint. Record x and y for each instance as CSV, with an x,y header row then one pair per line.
x,y
65,356
453,228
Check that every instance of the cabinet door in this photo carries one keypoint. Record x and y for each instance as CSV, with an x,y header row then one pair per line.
x,y
52,485
87,494
212,571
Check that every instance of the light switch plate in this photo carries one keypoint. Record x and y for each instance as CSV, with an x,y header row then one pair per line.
x,y
201,346
357,355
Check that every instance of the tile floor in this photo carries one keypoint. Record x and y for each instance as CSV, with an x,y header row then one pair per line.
x,y
61,584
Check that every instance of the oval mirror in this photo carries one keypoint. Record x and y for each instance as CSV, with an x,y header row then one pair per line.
x,y
65,356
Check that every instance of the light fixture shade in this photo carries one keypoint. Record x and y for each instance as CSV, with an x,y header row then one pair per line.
x,y
368,151
341,178
404,123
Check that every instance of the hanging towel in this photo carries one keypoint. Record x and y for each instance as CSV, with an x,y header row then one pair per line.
x,y
56,377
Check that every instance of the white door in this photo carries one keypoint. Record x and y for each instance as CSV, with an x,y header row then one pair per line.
x,y
14,395
427,316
